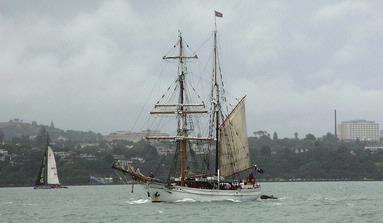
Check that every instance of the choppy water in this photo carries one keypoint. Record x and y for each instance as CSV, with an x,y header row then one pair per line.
x,y
298,202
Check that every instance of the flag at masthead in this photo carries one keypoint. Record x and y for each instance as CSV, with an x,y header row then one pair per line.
x,y
218,14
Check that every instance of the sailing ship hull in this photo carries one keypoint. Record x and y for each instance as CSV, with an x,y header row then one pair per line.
x,y
161,193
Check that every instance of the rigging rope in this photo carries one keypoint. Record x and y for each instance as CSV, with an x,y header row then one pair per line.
x,y
147,99
203,43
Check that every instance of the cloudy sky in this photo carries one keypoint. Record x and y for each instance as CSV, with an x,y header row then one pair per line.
x,y
94,65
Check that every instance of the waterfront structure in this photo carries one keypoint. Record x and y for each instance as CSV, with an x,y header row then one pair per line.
x,y
359,130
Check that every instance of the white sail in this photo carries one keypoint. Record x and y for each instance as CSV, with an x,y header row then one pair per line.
x,y
234,145
52,177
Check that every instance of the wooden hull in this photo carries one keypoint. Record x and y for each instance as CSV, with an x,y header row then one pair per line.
x,y
162,193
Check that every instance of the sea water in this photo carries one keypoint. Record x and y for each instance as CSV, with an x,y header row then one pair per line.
x,y
297,202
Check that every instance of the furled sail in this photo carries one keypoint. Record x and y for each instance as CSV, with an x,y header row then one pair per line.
x,y
234,145
52,177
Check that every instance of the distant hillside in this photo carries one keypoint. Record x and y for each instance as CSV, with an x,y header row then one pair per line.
x,y
17,128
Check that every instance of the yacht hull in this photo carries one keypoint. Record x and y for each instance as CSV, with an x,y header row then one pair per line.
x,y
50,187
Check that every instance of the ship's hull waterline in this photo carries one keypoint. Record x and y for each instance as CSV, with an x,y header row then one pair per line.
x,y
50,187
162,193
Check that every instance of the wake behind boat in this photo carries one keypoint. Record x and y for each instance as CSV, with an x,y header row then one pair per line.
x,y
47,177
227,135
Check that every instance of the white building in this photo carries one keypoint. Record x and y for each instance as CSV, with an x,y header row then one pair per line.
x,y
4,155
373,149
359,130
133,136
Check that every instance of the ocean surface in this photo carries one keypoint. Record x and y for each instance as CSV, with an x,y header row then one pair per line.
x,y
298,202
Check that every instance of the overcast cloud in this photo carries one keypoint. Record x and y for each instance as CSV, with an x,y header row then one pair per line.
x,y
92,65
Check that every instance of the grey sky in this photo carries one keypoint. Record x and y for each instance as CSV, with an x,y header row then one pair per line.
x,y
92,65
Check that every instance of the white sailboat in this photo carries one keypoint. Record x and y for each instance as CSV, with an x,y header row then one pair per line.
x,y
228,134
47,177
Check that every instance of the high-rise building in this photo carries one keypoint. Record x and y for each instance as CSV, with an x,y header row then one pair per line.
x,y
359,130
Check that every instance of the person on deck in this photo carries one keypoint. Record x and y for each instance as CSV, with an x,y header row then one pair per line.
x,y
250,179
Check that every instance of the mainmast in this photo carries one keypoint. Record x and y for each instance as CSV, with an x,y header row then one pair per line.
x,y
216,103
216,93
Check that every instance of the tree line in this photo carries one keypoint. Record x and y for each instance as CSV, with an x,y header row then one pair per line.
x,y
310,158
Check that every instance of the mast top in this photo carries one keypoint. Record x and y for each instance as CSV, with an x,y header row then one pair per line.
x,y
183,108
219,15
180,57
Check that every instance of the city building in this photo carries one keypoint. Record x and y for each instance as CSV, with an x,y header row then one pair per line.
x,y
87,156
133,136
373,149
358,130
63,155
4,155
118,156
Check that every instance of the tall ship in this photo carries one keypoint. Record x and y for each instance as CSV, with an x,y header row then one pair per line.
x,y
47,178
233,176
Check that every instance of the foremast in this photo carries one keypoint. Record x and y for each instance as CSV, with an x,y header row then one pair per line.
x,y
182,110
181,117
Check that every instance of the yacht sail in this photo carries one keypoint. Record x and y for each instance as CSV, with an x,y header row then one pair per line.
x,y
41,177
52,177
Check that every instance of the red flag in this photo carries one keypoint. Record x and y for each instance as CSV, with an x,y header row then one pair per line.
x,y
218,14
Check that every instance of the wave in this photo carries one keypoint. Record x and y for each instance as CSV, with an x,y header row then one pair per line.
x,y
139,201
192,200
234,200
186,200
